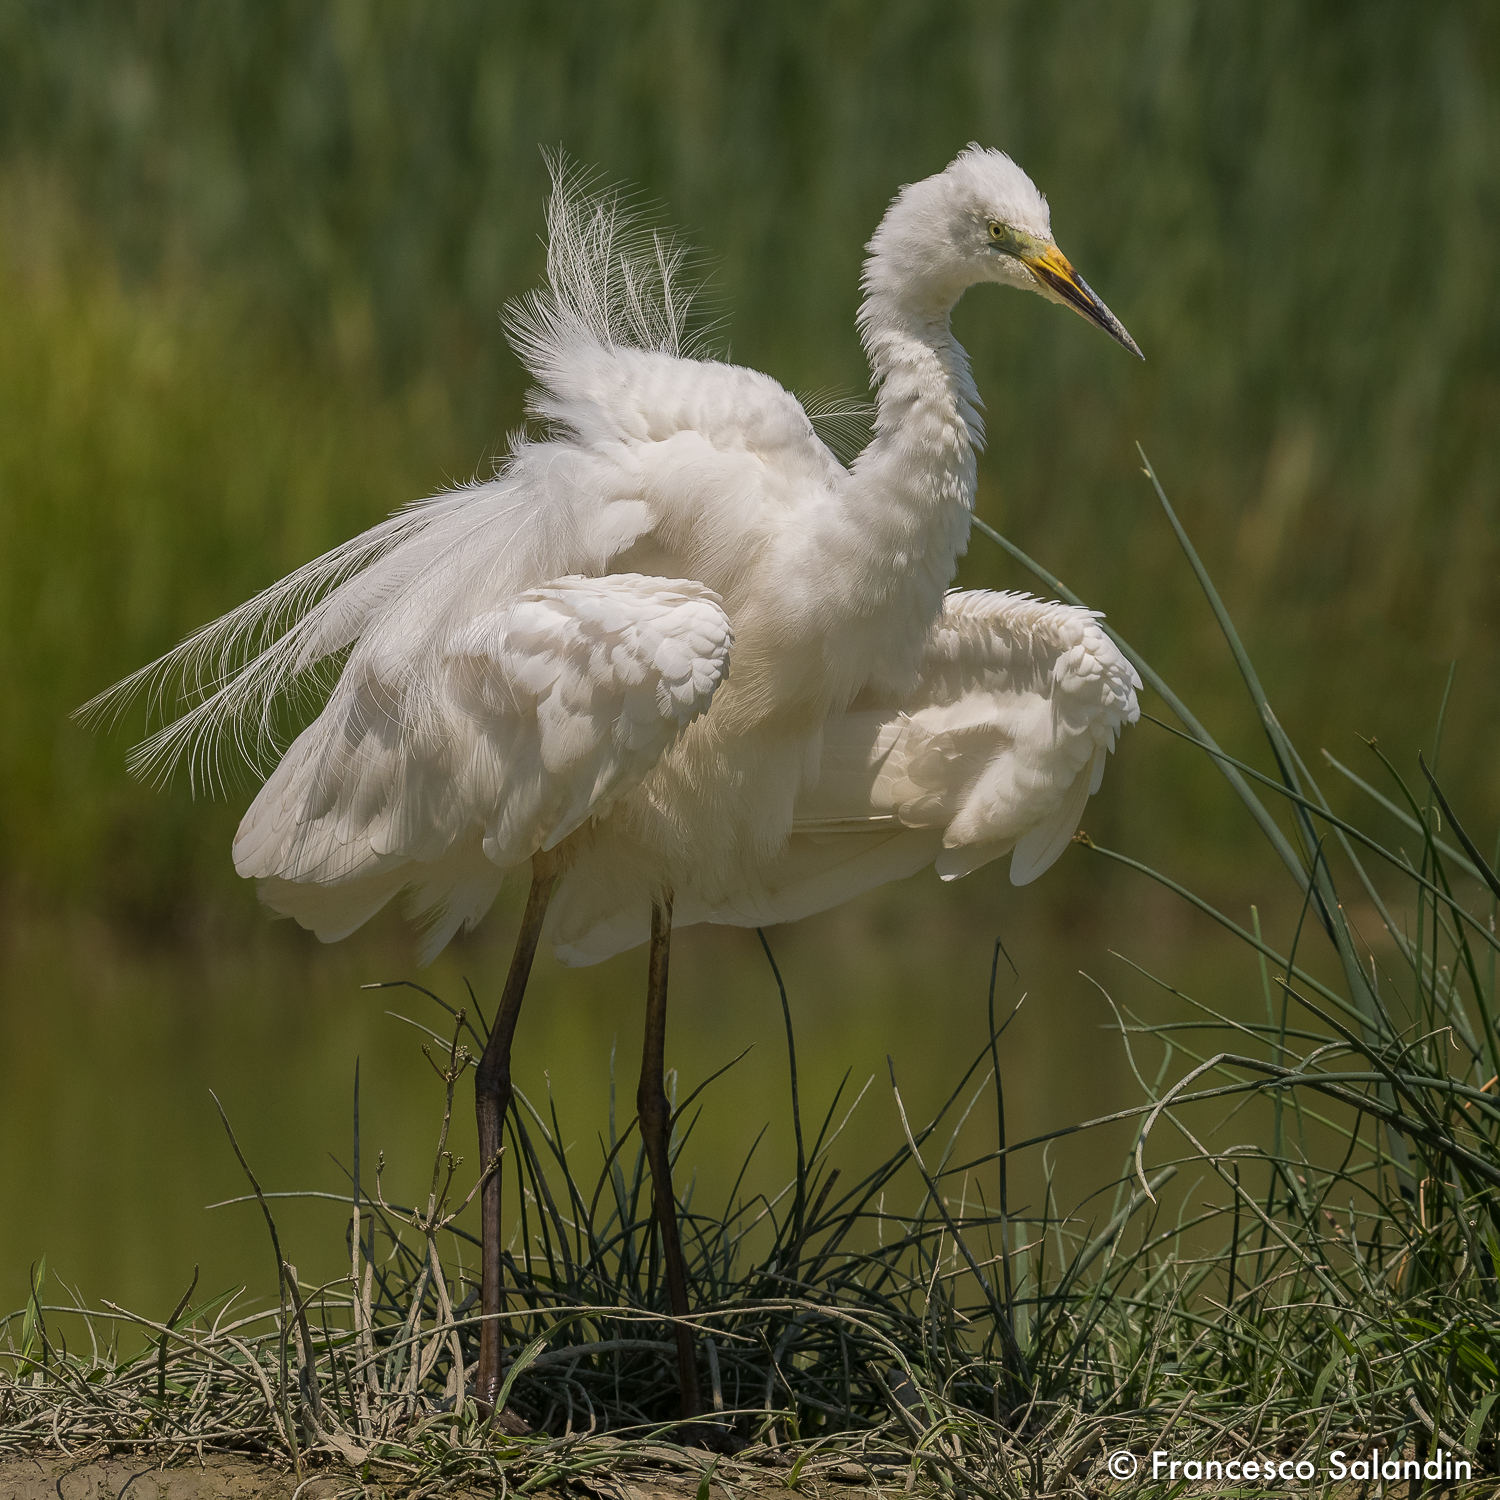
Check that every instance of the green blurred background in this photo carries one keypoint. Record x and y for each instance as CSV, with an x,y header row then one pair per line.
x,y
251,257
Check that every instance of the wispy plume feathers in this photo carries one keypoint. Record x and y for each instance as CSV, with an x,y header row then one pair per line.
x,y
615,281
614,278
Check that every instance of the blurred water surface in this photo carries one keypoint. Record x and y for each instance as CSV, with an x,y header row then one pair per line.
x,y
108,1052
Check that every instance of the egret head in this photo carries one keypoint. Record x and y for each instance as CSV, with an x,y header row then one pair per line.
x,y
980,219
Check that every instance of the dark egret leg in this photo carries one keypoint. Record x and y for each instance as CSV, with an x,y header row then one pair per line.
x,y
656,1118
492,1095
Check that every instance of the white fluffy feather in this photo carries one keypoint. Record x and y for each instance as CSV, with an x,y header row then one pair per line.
x,y
541,660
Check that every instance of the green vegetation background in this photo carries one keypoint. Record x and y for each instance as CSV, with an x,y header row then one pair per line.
x,y
251,256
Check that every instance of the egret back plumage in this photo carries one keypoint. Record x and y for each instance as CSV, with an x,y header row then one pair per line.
x,y
675,656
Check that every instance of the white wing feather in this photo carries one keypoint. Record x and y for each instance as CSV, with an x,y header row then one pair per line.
x,y
997,747
534,718
1023,700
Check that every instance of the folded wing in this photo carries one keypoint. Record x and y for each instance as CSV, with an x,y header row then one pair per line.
x,y
995,749
442,774
1004,739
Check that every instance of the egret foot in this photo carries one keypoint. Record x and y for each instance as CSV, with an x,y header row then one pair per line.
x,y
511,1423
712,1437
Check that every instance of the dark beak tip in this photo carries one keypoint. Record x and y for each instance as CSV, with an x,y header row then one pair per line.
x,y
1119,334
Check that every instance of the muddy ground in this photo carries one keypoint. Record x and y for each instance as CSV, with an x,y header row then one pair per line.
x,y
220,1477
53,1477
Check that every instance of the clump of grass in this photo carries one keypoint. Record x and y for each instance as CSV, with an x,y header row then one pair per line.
x,y
1336,1288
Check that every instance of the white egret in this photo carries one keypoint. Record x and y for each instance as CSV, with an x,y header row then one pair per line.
x,y
536,670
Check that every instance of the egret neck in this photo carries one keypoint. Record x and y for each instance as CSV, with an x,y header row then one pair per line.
x,y
912,489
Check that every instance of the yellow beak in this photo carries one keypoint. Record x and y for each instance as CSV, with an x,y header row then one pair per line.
x,y
1051,267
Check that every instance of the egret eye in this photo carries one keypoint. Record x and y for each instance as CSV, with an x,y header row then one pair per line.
x,y
997,231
